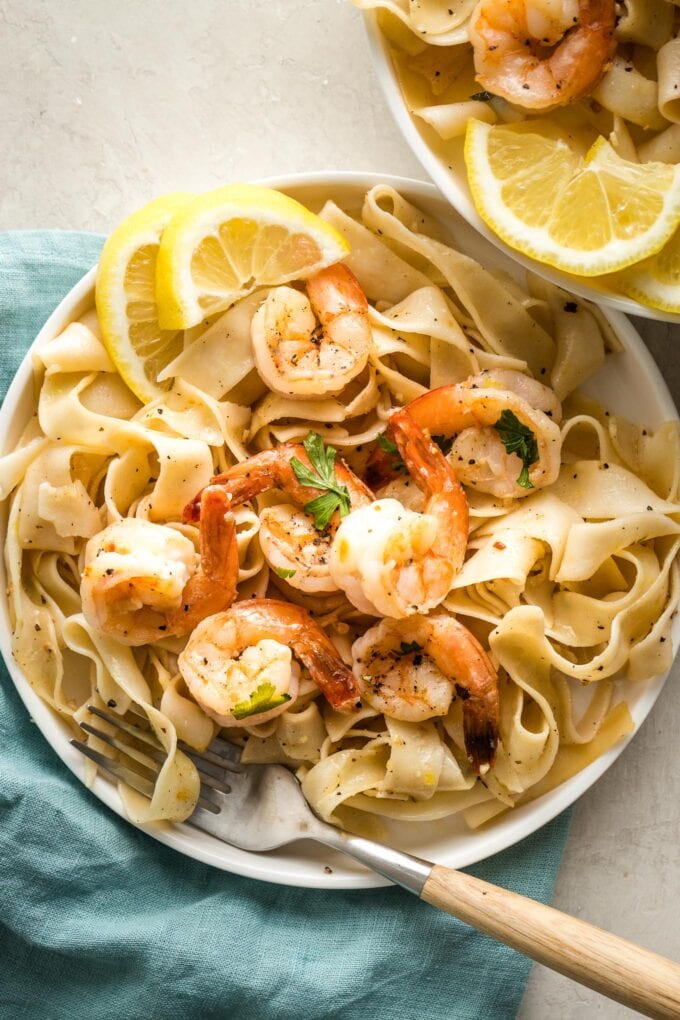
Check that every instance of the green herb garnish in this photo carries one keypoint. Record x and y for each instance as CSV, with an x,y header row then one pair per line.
x,y
482,97
518,438
390,447
408,647
335,496
284,572
262,699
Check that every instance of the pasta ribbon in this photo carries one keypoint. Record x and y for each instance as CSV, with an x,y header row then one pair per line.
x,y
571,585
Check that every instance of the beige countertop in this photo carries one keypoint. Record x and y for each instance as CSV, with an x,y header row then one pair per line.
x,y
105,105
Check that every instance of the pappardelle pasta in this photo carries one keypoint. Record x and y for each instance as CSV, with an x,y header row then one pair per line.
x,y
594,66
372,526
559,120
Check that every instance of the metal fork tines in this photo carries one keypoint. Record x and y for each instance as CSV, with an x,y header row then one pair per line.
x,y
144,756
221,752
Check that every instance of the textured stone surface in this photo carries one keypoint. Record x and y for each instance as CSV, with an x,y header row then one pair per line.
x,y
105,105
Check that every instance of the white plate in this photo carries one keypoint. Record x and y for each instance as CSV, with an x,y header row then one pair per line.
x,y
451,179
630,381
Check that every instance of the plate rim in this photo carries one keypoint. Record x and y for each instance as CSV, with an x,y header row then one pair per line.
x,y
521,823
456,195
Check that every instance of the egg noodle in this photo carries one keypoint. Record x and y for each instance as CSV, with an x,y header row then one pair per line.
x,y
571,586
635,104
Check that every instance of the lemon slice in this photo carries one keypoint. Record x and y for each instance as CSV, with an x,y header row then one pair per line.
x,y
126,297
232,240
587,215
656,281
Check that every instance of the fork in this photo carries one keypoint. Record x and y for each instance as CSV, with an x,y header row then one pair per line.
x,y
261,807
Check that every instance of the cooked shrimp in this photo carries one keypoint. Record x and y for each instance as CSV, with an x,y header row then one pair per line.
x,y
297,357
472,411
391,561
411,669
295,549
239,664
143,582
540,54
288,537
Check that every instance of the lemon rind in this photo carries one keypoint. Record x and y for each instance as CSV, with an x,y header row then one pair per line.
x,y
521,237
175,289
650,292
142,227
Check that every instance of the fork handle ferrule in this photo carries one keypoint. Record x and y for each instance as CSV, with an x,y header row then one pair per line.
x,y
409,872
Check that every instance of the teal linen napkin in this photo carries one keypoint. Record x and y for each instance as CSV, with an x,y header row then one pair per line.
x,y
99,921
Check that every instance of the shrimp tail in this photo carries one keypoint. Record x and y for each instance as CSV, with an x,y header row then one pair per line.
x,y
273,469
240,483
214,587
413,447
481,737
423,458
476,684
219,549
431,471
334,679
293,625
334,292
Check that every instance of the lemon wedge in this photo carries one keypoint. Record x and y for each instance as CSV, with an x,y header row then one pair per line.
x,y
586,215
126,297
656,281
232,240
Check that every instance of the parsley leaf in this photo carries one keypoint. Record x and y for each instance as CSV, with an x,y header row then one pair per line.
x,y
386,444
262,699
392,450
518,438
323,508
336,496
284,572
407,647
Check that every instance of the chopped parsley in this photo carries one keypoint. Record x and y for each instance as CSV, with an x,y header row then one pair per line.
x,y
284,572
388,445
334,496
392,450
518,438
262,699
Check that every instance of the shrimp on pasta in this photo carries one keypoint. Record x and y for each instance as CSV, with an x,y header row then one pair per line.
x,y
296,356
540,54
355,634
291,542
239,664
496,417
412,669
295,549
142,581
391,561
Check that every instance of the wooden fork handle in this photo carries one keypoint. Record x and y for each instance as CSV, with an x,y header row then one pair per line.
x,y
632,975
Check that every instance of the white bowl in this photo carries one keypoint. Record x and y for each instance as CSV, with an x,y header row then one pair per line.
x,y
451,179
631,380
